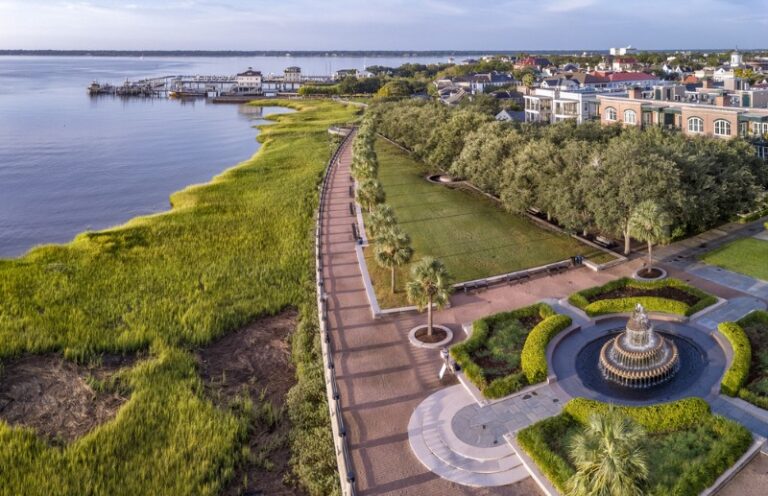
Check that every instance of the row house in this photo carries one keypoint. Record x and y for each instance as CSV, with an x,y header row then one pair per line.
x,y
716,119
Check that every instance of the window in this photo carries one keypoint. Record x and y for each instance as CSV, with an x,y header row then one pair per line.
x,y
610,114
722,128
695,125
630,117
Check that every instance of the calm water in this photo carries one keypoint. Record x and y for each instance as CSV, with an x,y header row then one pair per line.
x,y
69,162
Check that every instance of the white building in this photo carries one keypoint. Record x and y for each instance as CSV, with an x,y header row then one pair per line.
x,y
249,82
554,105
627,50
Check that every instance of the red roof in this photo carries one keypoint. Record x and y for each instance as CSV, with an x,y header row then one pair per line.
x,y
690,79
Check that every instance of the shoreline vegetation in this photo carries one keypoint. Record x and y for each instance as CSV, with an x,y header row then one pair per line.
x,y
228,253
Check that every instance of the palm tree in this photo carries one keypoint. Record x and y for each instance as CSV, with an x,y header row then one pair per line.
x,y
380,219
392,250
610,457
649,223
430,285
364,163
369,193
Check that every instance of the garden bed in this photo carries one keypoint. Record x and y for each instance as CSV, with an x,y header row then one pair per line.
x,y
747,377
507,351
687,447
622,295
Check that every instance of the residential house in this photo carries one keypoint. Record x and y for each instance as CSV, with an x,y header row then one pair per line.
x,y
624,64
554,105
537,63
248,82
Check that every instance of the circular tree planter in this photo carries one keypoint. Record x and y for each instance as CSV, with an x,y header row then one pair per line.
x,y
441,336
649,274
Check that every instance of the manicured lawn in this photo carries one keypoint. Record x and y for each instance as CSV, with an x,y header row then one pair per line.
x,y
229,252
467,231
748,256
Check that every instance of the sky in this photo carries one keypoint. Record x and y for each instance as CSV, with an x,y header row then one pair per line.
x,y
382,24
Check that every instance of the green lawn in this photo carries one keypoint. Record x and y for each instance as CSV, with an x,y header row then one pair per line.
x,y
748,256
467,231
229,252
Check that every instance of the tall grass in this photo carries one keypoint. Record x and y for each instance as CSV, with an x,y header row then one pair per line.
x,y
228,252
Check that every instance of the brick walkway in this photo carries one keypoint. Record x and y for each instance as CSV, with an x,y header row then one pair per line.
x,y
381,377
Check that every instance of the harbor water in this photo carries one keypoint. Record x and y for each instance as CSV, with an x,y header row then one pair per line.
x,y
70,162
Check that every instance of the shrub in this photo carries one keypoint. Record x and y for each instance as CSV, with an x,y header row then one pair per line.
x,y
462,352
600,306
663,417
534,355
737,373
533,439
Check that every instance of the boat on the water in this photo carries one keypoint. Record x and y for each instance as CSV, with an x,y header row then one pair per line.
x,y
187,94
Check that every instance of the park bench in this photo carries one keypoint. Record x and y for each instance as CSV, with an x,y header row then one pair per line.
x,y
604,242
351,208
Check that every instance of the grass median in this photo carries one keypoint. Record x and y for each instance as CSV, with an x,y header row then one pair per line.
x,y
229,252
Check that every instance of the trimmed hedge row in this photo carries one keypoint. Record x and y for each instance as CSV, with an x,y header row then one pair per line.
x,y
663,417
533,439
480,332
534,356
652,303
760,318
736,375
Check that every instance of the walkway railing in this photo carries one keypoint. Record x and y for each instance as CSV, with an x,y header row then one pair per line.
x,y
340,439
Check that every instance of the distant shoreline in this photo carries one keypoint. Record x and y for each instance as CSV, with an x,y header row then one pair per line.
x,y
331,53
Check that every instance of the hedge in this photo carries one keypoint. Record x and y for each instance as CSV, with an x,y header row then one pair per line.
x,y
533,439
480,328
736,375
662,417
652,303
534,356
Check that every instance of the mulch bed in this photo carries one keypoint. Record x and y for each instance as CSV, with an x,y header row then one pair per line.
x,y
437,335
628,292
652,273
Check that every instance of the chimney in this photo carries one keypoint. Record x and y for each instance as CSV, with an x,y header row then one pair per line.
x,y
636,93
720,101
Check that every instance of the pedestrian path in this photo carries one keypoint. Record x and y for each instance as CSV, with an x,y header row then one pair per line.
x,y
753,418
464,442
731,311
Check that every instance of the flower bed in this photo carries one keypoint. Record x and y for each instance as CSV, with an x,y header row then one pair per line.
x,y
622,295
688,447
507,351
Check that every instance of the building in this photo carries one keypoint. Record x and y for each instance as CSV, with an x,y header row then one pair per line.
x,y
665,106
477,83
624,63
533,62
627,50
555,105
344,73
248,82
292,74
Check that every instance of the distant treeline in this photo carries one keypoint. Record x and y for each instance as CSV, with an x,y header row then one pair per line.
x,y
330,53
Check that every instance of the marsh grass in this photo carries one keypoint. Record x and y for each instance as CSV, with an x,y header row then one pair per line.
x,y
228,252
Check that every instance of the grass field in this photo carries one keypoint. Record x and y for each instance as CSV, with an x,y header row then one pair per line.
x,y
229,252
748,256
467,231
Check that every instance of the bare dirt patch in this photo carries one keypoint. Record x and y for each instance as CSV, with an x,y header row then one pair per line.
x,y
256,362
437,335
52,395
